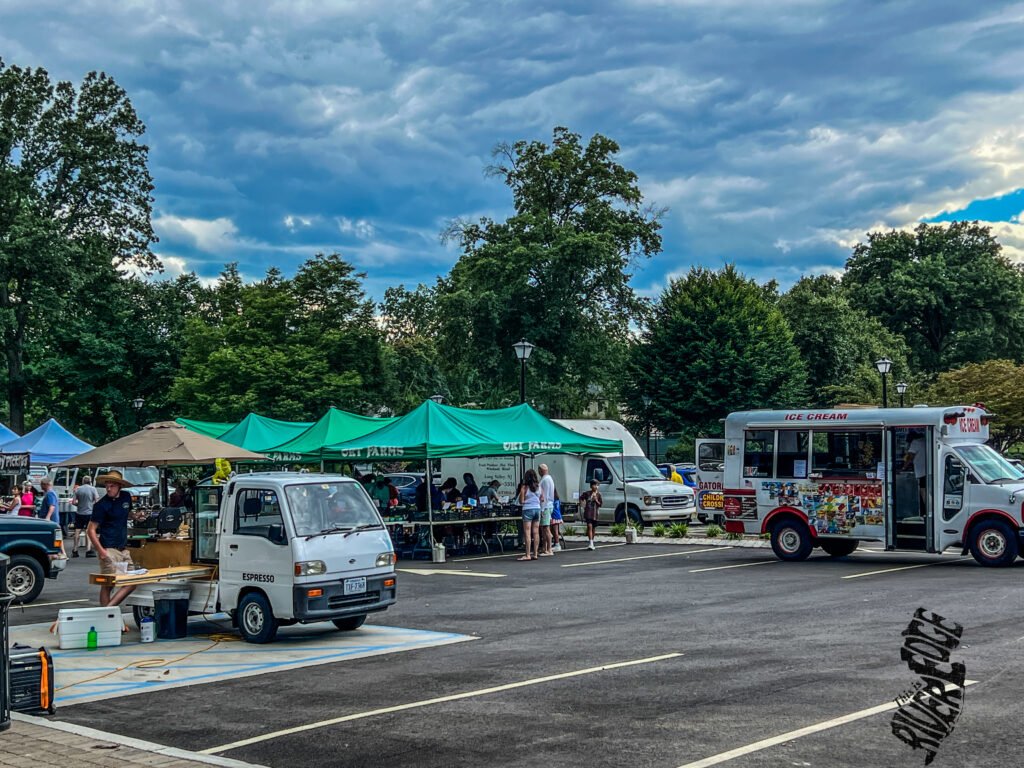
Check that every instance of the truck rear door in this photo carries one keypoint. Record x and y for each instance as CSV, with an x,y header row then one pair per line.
x,y
710,475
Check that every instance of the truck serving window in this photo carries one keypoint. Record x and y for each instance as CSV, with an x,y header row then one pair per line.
x,y
792,456
759,453
329,508
846,454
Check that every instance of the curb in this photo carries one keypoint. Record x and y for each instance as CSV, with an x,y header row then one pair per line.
x,y
688,540
128,741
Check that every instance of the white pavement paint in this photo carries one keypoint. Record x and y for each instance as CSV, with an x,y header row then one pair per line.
x,y
700,541
438,700
513,553
447,572
44,605
641,557
127,741
757,746
210,655
901,568
738,565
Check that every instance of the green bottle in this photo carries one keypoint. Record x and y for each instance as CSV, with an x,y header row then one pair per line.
x,y
91,639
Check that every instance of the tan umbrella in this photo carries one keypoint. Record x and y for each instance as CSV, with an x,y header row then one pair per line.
x,y
162,443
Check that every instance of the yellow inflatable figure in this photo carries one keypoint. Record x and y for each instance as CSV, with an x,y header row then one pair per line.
x,y
223,472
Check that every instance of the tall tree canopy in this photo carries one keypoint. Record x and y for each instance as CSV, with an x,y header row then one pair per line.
x,y
556,273
999,385
716,343
74,196
947,289
839,343
283,348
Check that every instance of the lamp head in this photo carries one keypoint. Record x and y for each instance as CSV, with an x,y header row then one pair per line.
x,y
523,349
884,365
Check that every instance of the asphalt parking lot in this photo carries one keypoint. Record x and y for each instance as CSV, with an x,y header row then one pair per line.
x,y
629,655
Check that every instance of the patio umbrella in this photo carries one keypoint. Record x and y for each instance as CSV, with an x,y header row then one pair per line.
x,y
162,443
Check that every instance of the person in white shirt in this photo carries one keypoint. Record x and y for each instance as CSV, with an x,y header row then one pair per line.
x,y
917,460
14,506
547,506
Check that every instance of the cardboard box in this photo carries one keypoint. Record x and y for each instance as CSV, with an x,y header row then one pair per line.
x,y
73,626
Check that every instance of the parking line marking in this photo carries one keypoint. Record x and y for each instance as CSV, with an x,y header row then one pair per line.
x,y
643,557
447,572
901,568
738,565
511,552
757,746
428,702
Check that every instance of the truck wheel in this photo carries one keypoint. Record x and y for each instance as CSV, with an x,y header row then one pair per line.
x,y
993,543
349,623
702,518
791,540
838,548
140,612
256,620
24,578
634,515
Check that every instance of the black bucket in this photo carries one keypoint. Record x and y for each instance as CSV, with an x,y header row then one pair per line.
x,y
171,613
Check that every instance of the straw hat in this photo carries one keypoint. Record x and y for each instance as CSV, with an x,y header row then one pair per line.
x,y
113,476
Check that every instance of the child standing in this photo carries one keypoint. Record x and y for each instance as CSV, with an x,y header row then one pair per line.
x,y
591,501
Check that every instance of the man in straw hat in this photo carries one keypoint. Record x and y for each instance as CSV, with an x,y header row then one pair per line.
x,y
108,531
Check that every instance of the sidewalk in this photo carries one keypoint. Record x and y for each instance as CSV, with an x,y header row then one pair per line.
x,y
33,741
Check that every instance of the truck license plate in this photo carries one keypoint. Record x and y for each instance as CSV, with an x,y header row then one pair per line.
x,y
355,586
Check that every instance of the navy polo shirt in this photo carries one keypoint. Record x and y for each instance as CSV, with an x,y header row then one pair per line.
x,y
111,518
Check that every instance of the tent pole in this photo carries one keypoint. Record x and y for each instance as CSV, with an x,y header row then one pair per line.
x,y
625,485
430,510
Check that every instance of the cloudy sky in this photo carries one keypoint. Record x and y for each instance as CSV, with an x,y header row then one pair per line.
x,y
776,133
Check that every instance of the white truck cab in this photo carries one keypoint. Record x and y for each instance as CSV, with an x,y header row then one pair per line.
x,y
288,548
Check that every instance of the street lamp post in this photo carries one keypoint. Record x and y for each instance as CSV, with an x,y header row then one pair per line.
x,y
437,398
137,404
523,350
647,422
884,366
902,388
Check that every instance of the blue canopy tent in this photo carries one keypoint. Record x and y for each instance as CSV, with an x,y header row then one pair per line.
x,y
7,434
48,443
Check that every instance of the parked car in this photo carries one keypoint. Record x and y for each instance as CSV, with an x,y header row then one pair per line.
x,y
688,472
34,548
406,483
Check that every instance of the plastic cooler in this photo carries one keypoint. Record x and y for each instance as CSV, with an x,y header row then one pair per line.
x,y
171,612
73,625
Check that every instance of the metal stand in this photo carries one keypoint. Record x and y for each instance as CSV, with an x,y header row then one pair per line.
x,y
5,649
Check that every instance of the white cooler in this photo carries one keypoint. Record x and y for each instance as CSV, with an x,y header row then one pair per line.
x,y
73,626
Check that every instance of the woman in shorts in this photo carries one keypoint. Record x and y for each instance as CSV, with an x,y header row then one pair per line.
x,y
591,501
529,500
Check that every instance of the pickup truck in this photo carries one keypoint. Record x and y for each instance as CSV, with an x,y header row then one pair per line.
x,y
34,547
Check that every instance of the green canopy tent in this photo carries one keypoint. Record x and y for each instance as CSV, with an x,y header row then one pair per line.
x,y
212,429
434,431
335,426
259,433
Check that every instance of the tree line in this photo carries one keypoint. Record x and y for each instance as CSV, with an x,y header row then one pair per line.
x,y
87,328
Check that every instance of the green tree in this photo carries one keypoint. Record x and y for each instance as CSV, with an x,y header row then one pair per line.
x,y
74,192
285,348
946,289
416,368
556,273
839,343
999,385
716,343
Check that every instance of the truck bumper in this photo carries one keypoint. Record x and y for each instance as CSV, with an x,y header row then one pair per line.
x,y
57,564
333,603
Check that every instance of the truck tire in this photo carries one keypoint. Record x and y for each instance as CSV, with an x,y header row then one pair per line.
x,y
834,548
993,543
702,518
24,578
634,515
791,540
349,623
256,620
139,612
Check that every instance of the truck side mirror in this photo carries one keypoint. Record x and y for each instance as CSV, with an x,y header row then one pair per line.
x,y
275,533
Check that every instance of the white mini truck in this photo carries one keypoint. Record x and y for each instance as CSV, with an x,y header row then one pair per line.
x,y
288,548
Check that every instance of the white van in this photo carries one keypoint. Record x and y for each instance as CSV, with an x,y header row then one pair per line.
x,y
651,498
289,548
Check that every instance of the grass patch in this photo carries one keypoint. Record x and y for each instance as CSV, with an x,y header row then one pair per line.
x,y
678,530
659,530
712,531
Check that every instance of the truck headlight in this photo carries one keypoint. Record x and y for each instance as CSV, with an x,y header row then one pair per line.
x,y
385,559
652,501
311,568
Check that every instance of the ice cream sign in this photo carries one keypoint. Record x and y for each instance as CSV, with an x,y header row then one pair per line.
x,y
972,422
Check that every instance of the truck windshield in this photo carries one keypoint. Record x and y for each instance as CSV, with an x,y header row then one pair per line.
x,y
639,468
136,476
329,507
989,465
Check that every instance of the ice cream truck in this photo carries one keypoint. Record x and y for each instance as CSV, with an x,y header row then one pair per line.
x,y
916,479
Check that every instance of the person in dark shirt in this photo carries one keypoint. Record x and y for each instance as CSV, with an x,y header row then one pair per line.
x,y
470,489
108,532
